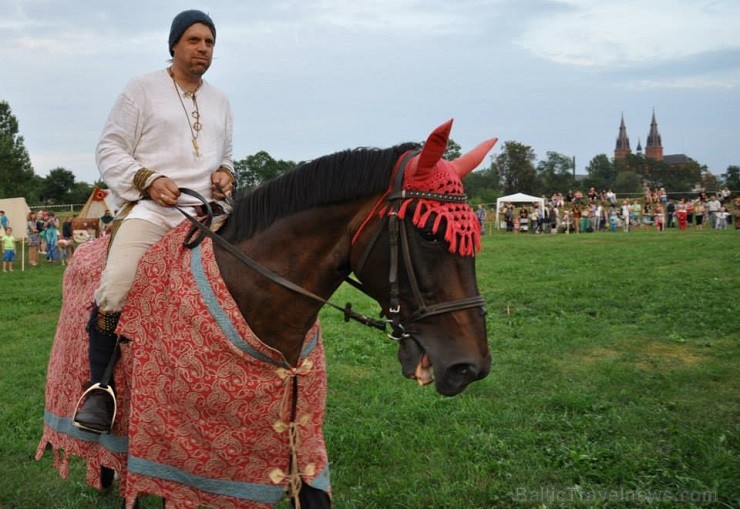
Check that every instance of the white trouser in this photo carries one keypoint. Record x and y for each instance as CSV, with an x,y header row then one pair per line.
x,y
133,239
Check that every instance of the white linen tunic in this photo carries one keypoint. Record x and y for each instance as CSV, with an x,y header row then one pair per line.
x,y
149,128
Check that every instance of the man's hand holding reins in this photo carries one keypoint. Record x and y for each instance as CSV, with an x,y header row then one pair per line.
x,y
164,192
222,183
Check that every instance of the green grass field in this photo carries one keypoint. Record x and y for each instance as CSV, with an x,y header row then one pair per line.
x,y
614,384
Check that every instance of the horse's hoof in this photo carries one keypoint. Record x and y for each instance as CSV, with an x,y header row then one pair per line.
x,y
107,475
136,504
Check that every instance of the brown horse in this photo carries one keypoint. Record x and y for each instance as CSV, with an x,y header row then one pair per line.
x,y
397,218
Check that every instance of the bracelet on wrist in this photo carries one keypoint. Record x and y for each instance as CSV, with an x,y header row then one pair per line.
x,y
140,179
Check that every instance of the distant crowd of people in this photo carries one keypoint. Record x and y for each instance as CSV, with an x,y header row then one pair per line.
x,y
572,213
47,237
602,211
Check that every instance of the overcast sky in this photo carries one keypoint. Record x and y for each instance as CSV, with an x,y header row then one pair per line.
x,y
311,77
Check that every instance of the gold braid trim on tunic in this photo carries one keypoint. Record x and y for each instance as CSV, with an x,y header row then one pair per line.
x,y
224,169
140,179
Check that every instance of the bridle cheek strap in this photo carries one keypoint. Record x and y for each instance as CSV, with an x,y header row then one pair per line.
x,y
398,234
391,215
424,310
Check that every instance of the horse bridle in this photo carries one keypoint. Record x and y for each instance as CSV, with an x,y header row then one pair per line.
x,y
399,234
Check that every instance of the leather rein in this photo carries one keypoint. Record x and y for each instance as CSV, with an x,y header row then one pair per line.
x,y
203,230
398,237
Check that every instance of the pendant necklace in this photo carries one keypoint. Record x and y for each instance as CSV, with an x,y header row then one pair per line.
x,y
196,126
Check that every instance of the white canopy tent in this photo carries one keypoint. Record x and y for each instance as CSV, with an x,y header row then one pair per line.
x,y
16,209
516,198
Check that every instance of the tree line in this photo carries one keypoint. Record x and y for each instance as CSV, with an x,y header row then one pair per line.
x,y
514,169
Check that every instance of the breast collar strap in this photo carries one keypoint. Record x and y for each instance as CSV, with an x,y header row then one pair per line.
x,y
398,234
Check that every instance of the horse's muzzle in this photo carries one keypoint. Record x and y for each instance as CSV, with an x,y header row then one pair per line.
x,y
456,377
449,379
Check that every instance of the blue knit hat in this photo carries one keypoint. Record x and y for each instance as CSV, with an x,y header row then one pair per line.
x,y
184,20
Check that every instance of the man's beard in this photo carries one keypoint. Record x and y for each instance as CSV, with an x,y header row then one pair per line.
x,y
199,69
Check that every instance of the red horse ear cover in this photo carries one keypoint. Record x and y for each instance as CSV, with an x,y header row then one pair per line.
x,y
468,161
429,173
434,148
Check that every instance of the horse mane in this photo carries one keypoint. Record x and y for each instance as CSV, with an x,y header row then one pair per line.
x,y
336,178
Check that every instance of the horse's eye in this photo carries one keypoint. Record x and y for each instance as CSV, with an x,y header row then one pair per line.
x,y
430,236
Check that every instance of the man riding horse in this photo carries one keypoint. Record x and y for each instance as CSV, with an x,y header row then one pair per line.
x,y
168,129
222,384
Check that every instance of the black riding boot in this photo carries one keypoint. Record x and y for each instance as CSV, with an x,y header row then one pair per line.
x,y
97,411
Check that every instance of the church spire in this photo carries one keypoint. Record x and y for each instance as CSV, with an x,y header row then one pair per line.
x,y
654,146
623,142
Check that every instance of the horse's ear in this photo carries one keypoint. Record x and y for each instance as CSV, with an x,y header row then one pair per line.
x,y
434,148
468,161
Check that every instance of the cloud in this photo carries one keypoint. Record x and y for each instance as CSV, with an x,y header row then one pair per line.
x,y
713,70
414,17
308,77
43,29
627,33
689,82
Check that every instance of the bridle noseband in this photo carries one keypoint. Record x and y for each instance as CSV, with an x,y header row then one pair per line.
x,y
399,235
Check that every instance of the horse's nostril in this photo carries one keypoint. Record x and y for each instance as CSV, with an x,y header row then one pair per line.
x,y
462,370
455,378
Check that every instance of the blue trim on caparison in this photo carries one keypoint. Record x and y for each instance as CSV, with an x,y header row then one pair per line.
x,y
114,443
242,490
217,312
119,444
308,347
322,481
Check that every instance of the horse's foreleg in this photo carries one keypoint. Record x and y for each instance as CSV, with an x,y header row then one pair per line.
x,y
312,498
136,504
106,477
